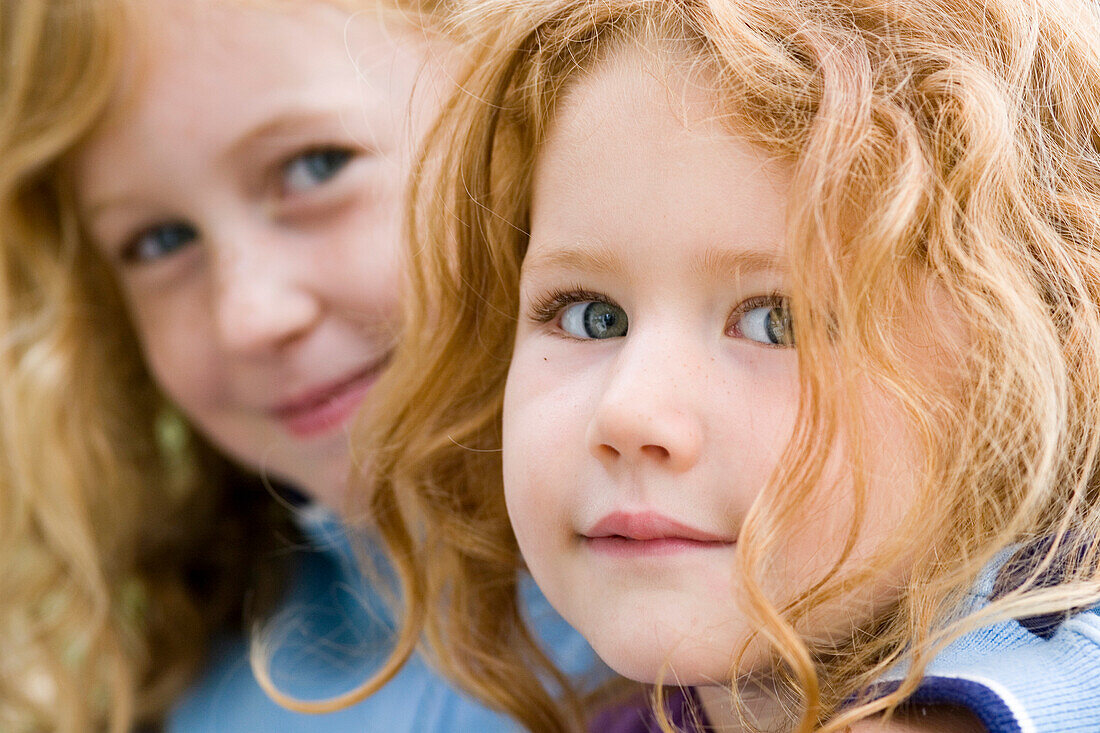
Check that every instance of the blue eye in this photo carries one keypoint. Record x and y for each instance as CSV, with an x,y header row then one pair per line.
x,y
314,168
158,242
594,319
770,325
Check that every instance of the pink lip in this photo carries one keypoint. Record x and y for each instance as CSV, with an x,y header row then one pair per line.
x,y
625,534
326,406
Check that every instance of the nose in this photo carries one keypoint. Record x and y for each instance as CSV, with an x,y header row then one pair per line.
x,y
649,411
261,302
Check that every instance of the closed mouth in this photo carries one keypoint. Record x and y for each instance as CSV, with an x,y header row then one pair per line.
x,y
648,533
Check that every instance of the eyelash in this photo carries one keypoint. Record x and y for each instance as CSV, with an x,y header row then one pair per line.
x,y
548,307
773,299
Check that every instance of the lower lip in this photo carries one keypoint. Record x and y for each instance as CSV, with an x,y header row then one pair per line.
x,y
626,547
332,412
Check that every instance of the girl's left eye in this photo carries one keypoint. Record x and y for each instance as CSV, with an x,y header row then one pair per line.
x,y
594,319
768,324
314,168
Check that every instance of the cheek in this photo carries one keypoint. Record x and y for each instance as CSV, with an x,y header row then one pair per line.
x,y
892,465
543,452
176,342
363,268
750,423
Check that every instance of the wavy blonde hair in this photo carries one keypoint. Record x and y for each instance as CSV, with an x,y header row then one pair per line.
x,y
126,539
932,141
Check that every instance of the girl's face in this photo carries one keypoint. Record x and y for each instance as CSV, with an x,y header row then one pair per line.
x,y
654,384
247,190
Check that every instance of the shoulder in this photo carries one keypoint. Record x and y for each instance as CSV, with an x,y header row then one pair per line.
x,y
1018,680
1027,675
330,634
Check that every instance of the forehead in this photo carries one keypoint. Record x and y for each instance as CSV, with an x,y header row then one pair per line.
x,y
203,73
206,53
638,153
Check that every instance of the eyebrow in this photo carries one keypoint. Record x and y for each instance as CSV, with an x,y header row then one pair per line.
x,y
95,210
723,262
599,259
291,122
594,258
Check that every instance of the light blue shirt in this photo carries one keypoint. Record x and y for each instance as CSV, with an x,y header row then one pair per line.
x,y
331,633
1037,675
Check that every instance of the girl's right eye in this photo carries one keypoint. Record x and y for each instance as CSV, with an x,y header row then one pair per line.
x,y
158,242
594,319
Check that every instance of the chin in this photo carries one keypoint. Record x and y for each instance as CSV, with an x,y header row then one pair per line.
x,y
328,485
639,667
649,665
647,658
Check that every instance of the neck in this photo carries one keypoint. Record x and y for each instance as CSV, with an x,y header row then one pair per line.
x,y
762,707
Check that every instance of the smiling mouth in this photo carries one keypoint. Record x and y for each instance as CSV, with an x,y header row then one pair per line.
x,y
328,406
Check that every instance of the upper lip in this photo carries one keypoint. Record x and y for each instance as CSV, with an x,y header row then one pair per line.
x,y
318,394
649,525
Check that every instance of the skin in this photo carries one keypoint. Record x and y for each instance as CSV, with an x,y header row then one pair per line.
x,y
647,210
925,720
247,191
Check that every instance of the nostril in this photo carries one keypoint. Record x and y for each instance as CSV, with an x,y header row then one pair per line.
x,y
658,452
606,451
